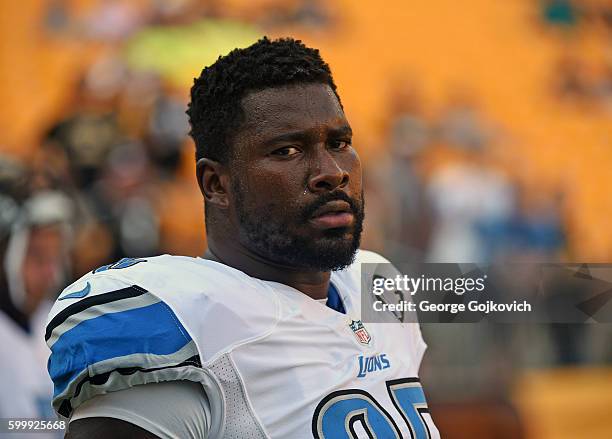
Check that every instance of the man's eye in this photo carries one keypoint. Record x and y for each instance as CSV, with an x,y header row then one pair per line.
x,y
286,152
340,144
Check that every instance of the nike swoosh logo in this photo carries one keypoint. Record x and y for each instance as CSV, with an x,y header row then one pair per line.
x,y
78,294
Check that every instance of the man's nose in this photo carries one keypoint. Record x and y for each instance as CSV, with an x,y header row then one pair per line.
x,y
328,174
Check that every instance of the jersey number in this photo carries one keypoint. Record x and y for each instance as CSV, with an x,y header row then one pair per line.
x,y
338,413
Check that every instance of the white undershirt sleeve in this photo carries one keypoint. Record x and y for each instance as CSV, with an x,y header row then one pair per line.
x,y
174,409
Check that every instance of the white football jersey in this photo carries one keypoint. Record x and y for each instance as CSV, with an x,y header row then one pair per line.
x,y
25,390
274,363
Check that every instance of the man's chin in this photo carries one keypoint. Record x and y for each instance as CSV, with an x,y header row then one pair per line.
x,y
329,253
307,249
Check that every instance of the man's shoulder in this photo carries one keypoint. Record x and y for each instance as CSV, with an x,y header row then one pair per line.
x,y
157,270
202,294
149,320
166,277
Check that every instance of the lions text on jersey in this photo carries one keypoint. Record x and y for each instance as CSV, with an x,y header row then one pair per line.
x,y
274,363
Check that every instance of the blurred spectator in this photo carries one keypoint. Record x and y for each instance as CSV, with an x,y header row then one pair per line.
x,y
535,232
465,195
87,139
88,133
35,238
166,133
406,213
123,195
102,84
461,125
116,19
467,190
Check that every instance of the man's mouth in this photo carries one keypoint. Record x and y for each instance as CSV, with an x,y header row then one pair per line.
x,y
332,215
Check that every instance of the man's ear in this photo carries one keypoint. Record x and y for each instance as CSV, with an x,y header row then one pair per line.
x,y
213,180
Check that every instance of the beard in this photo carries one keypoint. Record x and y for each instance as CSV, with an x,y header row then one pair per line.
x,y
271,232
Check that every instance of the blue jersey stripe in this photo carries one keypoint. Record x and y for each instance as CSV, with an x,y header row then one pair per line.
x,y
152,329
100,299
333,299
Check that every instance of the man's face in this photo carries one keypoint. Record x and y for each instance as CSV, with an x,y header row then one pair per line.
x,y
296,180
43,264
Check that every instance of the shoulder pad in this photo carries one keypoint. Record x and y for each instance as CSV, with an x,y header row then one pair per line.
x,y
149,320
106,334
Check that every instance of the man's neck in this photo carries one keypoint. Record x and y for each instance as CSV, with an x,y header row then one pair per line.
x,y
312,283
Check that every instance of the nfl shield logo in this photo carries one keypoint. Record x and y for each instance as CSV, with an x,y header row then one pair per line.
x,y
360,332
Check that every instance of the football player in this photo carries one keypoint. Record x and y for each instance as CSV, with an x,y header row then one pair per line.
x,y
262,337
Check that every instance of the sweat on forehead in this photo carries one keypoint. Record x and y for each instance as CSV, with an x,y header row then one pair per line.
x,y
291,108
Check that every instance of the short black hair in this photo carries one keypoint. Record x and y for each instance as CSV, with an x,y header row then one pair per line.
x,y
215,109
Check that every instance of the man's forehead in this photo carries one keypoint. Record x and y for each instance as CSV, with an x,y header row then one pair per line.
x,y
294,107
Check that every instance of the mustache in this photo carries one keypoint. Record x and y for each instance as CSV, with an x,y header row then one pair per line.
x,y
354,204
